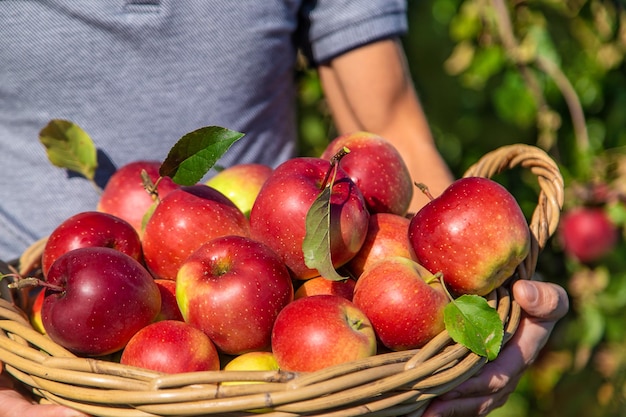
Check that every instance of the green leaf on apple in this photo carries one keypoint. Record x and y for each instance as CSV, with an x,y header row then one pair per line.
x,y
70,147
472,322
316,244
196,152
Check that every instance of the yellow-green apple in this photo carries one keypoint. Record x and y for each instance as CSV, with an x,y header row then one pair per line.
x,y
35,312
377,168
251,361
322,285
171,346
587,233
474,233
241,183
87,229
169,305
232,288
387,235
96,299
185,219
125,195
315,332
403,301
278,217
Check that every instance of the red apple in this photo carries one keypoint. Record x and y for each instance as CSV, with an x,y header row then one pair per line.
x,y
278,217
587,233
387,235
87,229
321,285
474,233
126,197
185,219
241,183
319,331
171,346
35,313
97,300
169,305
377,168
232,288
403,301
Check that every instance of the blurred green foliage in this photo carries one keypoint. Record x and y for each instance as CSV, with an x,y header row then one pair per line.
x,y
550,73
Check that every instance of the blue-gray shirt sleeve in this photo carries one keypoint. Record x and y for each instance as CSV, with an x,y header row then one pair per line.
x,y
332,27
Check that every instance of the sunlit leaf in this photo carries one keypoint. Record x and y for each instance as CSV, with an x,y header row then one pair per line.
x,y
472,322
195,154
69,147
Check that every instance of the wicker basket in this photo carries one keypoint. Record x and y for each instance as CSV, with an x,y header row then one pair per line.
x,y
389,384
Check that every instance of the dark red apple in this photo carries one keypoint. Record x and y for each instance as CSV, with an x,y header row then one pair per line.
x,y
100,298
387,235
232,288
278,217
377,168
319,331
587,233
403,301
171,346
185,219
87,229
125,195
474,233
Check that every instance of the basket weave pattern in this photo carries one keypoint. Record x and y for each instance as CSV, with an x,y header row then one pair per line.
x,y
389,384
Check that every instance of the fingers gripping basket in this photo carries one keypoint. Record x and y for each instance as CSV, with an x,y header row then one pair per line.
x,y
390,384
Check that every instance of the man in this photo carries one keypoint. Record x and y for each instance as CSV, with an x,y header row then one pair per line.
x,y
138,74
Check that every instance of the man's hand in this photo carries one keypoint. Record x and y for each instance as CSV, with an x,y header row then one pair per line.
x,y
543,305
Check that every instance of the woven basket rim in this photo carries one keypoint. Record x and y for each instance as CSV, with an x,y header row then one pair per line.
x,y
386,384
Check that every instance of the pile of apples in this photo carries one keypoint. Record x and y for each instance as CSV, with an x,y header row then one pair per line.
x,y
216,275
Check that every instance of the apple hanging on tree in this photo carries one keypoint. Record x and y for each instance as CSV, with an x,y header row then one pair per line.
x,y
587,233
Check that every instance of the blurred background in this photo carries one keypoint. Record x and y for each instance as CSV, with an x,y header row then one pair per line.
x,y
550,73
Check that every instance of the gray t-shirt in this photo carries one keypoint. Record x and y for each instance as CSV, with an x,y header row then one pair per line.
x,y
137,75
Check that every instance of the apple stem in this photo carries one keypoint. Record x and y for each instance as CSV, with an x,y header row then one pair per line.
x,y
334,163
439,275
424,188
149,185
29,282
356,324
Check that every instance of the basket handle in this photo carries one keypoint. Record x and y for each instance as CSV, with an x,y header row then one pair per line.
x,y
545,218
